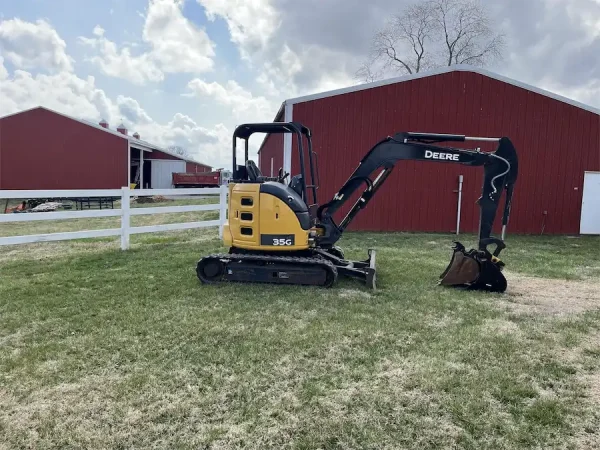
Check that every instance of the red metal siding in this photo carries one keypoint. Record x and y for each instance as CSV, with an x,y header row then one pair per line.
x,y
556,142
160,155
272,148
43,150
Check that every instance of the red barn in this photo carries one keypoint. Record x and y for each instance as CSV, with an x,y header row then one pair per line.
x,y
557,139
44,149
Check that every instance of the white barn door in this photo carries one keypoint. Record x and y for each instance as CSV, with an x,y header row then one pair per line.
x,y
162,172
590,206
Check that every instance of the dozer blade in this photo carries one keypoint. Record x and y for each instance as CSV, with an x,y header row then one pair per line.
x,y
473,270
364,270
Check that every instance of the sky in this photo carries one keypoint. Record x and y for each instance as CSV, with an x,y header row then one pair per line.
x,y
186,72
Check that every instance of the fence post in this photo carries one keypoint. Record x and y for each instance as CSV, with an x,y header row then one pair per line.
x,y
222,209
125,222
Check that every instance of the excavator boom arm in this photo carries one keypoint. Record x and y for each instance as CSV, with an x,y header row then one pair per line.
x,y
500,172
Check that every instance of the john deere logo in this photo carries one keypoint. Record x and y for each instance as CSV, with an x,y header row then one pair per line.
x,y
443,156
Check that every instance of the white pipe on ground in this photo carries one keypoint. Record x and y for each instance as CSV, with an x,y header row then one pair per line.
x,y
460,184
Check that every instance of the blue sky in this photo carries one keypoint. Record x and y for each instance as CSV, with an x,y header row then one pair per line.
x,y
212,113
185,72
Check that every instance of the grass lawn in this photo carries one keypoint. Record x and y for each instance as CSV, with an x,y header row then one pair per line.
x,y
107,349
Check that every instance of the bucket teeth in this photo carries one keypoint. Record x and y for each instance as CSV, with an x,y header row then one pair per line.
x,y
473,270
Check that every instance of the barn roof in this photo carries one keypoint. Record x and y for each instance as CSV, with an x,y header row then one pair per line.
x,y
455,68
137,143
283,109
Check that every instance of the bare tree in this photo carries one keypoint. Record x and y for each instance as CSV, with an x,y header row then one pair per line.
x,y
179,150
400,45
467,32
429,34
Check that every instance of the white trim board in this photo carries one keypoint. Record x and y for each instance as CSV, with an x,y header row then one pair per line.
x,y
456,68
287,141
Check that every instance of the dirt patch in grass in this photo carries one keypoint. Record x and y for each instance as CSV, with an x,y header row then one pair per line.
x,y
533,295
589,436
588,377
66,408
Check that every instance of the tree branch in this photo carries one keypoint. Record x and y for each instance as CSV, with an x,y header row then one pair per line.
x,y
432,33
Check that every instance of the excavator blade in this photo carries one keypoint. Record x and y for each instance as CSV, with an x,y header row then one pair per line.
x,y
473,270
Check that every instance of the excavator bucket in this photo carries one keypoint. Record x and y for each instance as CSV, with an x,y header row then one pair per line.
x,y
473,269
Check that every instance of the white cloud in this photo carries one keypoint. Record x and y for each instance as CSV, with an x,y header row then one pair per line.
x,y
313,69
3,71
587,93
176,46
30,45
130,109
65,92
251,23
98,31
208,145
243,104
284,70
122,63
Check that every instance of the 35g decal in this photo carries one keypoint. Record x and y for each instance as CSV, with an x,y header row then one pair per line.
x,y
278,240
282,241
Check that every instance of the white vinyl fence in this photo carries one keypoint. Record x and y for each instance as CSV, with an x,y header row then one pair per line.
x,y
125,213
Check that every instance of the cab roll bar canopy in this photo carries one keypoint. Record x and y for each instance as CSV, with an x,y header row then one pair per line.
x,y
244,131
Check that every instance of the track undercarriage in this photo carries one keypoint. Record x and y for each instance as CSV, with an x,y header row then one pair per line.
x,y
315,267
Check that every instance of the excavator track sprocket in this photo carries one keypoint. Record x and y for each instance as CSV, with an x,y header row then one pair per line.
x,y
272,269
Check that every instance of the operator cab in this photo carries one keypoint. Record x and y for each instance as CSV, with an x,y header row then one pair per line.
x,y
254,175
276,187
297,189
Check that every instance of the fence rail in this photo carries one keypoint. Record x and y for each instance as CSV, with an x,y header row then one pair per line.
x,y
125,212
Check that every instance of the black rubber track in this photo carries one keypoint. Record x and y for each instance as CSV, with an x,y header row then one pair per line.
x,y
262,262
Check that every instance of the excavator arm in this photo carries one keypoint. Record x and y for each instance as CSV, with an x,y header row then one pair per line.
x,y
500,174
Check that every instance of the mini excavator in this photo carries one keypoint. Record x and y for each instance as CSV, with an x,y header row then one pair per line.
x,y
277,233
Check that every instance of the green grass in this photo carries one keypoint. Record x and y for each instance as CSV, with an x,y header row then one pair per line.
x,y
108,349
